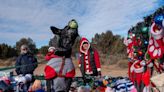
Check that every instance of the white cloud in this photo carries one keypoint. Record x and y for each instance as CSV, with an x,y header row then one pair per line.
x,y
32,18
116,14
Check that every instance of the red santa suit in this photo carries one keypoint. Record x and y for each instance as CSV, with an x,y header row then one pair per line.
x,y
89,62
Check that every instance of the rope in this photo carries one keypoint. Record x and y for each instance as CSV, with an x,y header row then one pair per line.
x,y
41,77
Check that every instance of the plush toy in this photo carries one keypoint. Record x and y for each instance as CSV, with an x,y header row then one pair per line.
x,y
23,79
4,87
84,89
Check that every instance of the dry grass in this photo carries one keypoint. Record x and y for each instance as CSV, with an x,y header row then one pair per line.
x,y
111,59
123,63
7,62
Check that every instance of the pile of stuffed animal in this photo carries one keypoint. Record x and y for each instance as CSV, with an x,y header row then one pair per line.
x,y
103,84
91,84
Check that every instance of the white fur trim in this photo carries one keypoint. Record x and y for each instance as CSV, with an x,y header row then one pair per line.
x,y
129,41
87,66
143,63
86,57
136,70
87,72
128,50
139,70
50,49
150,42
159,52
133,35
79,65
151,49
81,50
150,65
155,43
109,89
158,34
98,69
125,41
155,52
146,89
86,61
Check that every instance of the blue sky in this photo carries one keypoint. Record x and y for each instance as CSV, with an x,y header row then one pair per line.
x,y
32,18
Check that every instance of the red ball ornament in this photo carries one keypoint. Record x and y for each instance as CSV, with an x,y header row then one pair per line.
x,y
140,52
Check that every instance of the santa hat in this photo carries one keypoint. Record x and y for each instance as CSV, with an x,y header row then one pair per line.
x,y
136,67
156,32
51,49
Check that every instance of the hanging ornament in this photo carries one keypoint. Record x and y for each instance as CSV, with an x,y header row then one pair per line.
x,y
135,54
140,58
140,52
145,29
146,42
159,19
133,35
